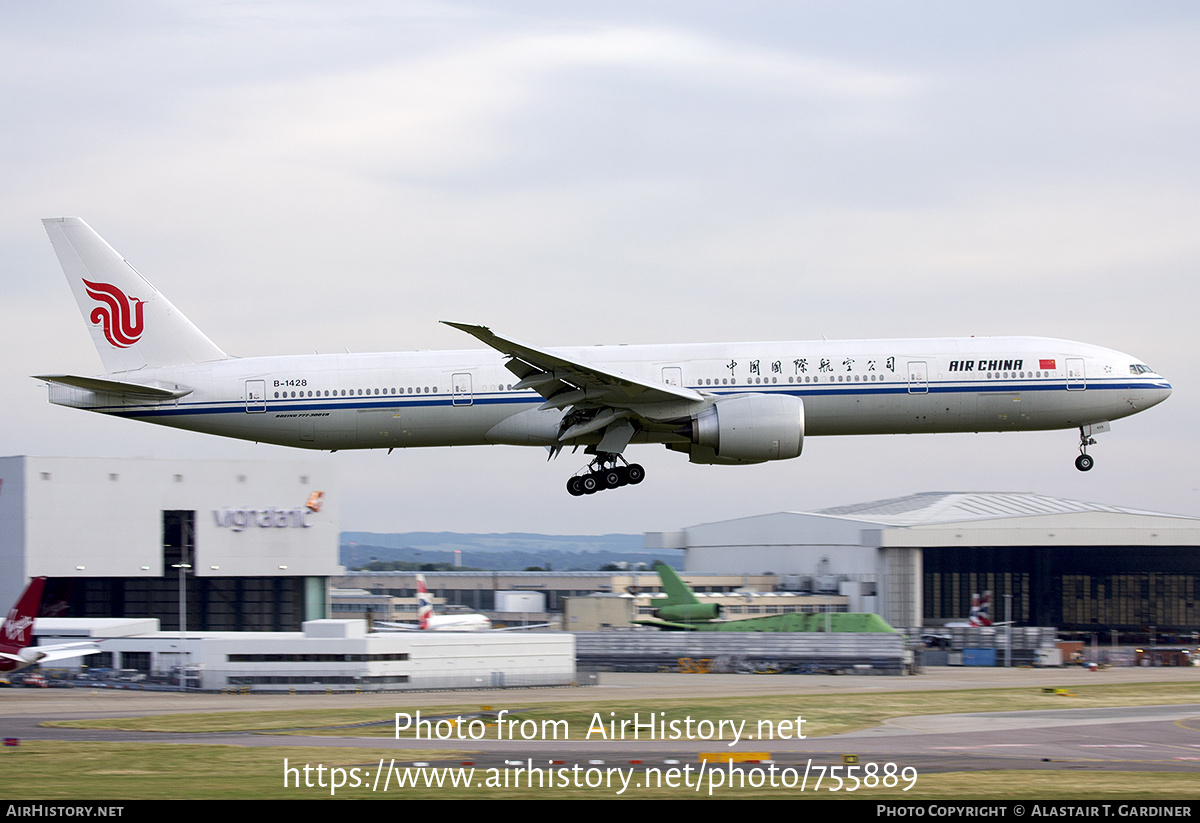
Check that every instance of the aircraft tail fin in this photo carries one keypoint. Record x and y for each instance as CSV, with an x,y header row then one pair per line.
x,y
18,626
424,603
981,609
682,606
678,592
133,325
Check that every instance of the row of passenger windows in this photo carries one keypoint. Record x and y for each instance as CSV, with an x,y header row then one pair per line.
x,y
816,378
357,392
375,392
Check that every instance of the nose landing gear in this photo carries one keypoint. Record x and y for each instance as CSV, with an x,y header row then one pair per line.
x,y
1085,461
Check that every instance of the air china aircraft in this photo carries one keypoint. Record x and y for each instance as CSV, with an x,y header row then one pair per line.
x,y
718,403
16,636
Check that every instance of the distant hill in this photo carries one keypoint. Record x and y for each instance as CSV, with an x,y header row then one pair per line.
x,y
501,552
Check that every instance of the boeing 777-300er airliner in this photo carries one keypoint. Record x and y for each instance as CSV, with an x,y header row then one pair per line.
x,y
718,403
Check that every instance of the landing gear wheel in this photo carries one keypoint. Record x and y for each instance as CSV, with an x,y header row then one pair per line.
x,y
1084,462
605,473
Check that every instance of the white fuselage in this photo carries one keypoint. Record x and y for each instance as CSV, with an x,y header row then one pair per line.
x,y
458,398
458,623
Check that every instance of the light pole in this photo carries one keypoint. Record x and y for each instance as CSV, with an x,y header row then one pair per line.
x,y
1008,630
183,567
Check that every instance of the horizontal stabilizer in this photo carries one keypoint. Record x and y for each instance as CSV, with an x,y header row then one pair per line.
x,y
100,384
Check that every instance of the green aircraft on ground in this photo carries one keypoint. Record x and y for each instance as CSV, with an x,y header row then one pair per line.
x,y
683,612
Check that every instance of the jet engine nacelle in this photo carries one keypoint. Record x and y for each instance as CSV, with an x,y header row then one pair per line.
x,y
689,612
30,655
747,428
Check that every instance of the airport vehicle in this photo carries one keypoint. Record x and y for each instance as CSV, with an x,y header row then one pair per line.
x,y
683,612
16,635
718,403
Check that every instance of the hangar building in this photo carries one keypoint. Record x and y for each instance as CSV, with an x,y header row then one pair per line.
x,y
257,540
917,560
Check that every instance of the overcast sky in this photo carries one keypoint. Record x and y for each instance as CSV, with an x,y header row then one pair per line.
x,y
303,177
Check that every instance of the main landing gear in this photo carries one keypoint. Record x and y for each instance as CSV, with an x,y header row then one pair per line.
x,y
1084,461
604,473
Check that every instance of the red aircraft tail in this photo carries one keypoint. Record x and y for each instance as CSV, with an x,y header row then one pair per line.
x,y
424,603
18,626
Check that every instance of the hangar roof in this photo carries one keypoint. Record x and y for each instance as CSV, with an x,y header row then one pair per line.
x,y
928,508
945,519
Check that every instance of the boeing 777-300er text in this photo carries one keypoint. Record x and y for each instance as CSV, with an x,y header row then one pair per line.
x,y
16,637
719,403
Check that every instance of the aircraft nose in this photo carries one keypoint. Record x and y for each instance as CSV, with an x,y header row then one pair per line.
x,y
1160,392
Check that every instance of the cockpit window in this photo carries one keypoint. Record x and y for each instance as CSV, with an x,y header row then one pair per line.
x,y
1138,368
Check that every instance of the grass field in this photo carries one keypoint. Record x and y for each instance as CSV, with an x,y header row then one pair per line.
x,y
157,771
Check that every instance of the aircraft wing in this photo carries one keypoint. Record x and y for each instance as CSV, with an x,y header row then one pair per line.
x,y
65,652
522,628
47,654
667,625
566,382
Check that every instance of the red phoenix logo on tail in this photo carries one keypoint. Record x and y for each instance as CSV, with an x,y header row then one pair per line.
x,y
120,316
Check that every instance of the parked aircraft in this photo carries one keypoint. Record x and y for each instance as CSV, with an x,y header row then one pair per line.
x,y
718,403
981,610
683,612
981,614
428,621
17,650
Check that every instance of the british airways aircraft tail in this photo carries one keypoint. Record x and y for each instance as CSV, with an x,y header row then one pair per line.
x,y
132,324
424,603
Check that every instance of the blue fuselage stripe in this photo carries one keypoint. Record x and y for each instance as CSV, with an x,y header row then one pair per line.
x,y
526,398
